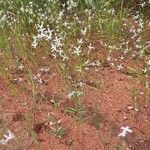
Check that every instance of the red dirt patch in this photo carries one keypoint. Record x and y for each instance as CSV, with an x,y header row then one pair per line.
x,y
108,106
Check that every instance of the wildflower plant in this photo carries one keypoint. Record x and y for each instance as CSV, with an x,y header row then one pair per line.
x,y
69,34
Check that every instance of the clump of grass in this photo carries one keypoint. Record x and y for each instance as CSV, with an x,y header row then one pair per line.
x,y
96,118
58,131
134,94
78,110
56,128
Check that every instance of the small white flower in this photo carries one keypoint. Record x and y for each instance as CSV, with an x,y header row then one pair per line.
x,y
20,79
148,62
58,42
142,4
34,77
61,14
35,42
80,41
125,131
79,68
70,95
108,58
53,47
147,85
115,59
121,57
145,70
21,67
77,50
8,137
80,84
38,75
77,93
46,69
84,31
65,23
40,28
54,56
41,69
112,64
90,47
48,34
64,57
119,67
40,81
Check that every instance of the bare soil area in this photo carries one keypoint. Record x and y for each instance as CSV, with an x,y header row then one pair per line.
x,y
107,102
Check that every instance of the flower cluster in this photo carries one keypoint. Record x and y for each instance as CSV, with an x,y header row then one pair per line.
x,y
56,42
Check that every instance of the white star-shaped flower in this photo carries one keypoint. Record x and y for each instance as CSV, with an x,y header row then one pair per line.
x,y
8,137
125,131
119,67
80,41
83,31
90,47
20,67
148,62
77,50
49,34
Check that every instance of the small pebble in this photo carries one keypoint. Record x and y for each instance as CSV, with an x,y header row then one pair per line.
x,y
125,118
130,107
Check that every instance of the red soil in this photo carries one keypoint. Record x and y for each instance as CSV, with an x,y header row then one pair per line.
x,y
110,100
